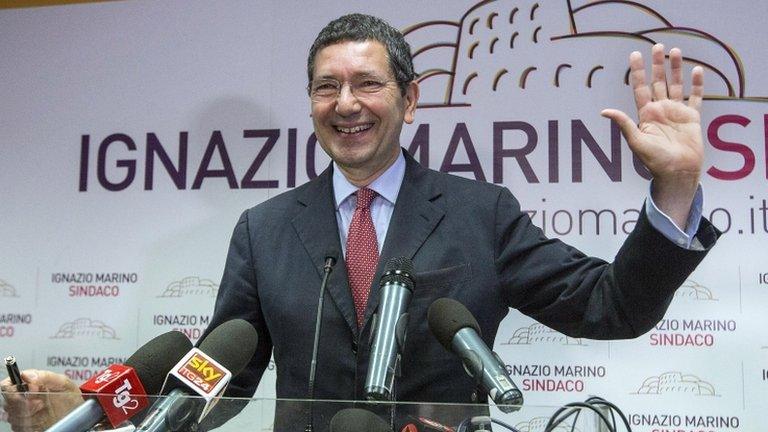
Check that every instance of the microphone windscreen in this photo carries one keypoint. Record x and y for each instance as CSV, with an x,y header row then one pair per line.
x,y
446,317
155,358
399,270
232,344
403,264
356,419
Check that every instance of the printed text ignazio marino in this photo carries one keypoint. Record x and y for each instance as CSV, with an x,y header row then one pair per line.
x,y
120,158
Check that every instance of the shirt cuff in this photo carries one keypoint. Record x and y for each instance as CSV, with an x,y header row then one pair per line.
x,y
663,224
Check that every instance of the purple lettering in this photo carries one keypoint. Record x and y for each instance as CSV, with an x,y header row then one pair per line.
x,y
612,166
216,144
461,134
420,142
128,164
155,148
499,152
248,182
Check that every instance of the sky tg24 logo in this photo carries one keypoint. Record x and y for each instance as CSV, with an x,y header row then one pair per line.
x,y
201,372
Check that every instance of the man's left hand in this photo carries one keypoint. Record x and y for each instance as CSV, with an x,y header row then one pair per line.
x,y
668,139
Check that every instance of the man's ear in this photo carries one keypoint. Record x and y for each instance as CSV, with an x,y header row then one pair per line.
x,y
411,100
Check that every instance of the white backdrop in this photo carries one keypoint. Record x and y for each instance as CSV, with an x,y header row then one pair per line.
x,y
133,133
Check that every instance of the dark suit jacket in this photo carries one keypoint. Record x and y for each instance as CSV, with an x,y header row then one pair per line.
x,y
469,241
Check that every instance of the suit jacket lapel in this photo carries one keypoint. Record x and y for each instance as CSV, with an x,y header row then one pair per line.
x,y
318,230
415,217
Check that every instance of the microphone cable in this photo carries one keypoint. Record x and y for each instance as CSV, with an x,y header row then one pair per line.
x,y
565,412
594,404
464,425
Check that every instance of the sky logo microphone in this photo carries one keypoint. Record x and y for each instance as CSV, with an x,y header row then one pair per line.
x,y
202,374
196,383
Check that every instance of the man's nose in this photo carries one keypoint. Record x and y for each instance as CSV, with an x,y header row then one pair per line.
x,y
347,103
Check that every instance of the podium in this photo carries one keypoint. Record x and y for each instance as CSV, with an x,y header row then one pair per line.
x,y
259,415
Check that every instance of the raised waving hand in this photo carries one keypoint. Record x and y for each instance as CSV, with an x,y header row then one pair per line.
x,y
667,137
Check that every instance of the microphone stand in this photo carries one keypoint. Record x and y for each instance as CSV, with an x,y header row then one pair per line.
x,y
392,397
330,260
398,372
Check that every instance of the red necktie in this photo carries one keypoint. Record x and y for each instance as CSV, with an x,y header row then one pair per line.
x,y
362,252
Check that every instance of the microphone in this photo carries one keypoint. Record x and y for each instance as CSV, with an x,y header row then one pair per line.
x,y
330,260
119,392
356,419
457,330
203,372
395,291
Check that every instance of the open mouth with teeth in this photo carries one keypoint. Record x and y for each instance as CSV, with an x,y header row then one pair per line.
x,y
354,129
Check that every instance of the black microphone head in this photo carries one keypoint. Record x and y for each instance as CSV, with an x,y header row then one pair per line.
x,y
446,317
333,255
398,270
232,344
357,420
155,358
403,264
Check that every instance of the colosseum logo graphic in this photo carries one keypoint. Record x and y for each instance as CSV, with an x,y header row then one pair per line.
x,y
693,290
539,424
85,328
676,383
7,290
540,334
191,286
508,47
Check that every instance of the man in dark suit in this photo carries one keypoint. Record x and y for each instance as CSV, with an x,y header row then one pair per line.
x,y
468,240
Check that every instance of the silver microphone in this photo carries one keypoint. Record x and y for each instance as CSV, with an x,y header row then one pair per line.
x,y
395,290
458,331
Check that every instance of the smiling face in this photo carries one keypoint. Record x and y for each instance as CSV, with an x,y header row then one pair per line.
x,y
361,132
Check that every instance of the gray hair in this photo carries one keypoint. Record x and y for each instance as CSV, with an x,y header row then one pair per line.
x,y
359,27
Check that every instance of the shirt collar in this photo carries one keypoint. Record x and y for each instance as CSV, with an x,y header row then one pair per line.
x,y
387,185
